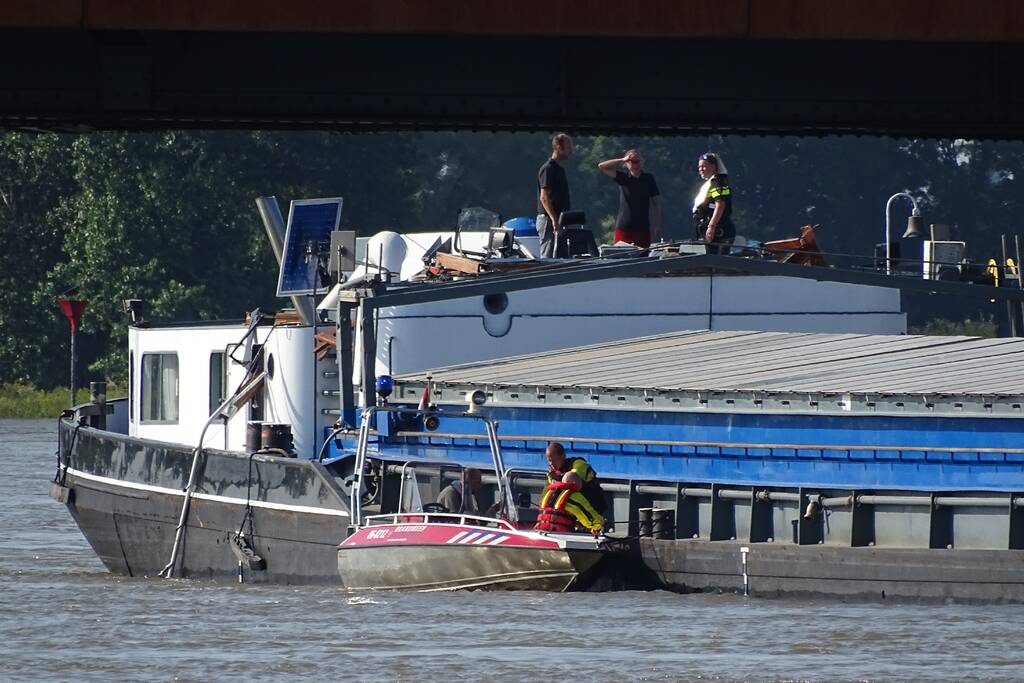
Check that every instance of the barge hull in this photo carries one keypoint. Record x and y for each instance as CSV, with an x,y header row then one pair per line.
x,y
775,570
126,494
124,499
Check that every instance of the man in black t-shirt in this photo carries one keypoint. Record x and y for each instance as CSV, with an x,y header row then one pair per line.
x,y
552,193
639,219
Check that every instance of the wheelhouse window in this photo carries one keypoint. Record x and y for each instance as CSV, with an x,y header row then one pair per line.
x,y
159,388
217,380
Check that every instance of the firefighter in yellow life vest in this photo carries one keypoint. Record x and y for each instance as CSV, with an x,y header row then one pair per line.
x,y
573,497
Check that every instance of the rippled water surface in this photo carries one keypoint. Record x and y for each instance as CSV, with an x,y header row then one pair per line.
x,y
63,617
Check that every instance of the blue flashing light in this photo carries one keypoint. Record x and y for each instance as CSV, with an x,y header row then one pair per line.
x,y
385,385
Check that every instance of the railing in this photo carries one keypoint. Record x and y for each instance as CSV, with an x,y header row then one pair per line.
x,y
437,518
812,515
875,448
896,515
355,502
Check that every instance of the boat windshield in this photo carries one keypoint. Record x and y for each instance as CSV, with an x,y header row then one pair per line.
x,y
421,493
421,486
410,499
477,218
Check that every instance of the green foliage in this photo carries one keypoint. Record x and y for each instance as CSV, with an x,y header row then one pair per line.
x,y
168,218
34,175
22,401
982,327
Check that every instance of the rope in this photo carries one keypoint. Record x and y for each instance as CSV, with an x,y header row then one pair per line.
x,y
246,518
650,534
630,539
247,514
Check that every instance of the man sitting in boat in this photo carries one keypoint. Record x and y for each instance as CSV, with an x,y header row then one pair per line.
x,y
573,498
453,497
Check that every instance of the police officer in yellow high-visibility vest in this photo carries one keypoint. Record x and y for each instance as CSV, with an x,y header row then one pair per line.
x,y
586,501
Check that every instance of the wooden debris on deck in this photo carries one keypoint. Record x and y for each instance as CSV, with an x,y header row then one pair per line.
x,y
801,250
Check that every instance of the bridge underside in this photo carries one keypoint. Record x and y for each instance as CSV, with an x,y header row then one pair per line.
x,y
82,79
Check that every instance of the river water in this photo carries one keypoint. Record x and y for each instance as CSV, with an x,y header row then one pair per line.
x,y
63,617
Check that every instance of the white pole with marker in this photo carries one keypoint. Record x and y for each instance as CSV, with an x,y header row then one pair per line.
x,y
744,550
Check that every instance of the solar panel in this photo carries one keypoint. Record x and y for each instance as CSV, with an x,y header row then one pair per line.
x,y
310,222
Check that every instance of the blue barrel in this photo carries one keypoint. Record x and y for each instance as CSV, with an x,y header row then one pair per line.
x,y
523,226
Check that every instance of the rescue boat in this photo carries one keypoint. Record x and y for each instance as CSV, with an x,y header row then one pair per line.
x,y
423,549
441,551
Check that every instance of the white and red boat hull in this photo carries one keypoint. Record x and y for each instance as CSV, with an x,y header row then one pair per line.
x,y
418,553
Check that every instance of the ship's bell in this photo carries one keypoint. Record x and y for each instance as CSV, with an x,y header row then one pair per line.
x,y
915,227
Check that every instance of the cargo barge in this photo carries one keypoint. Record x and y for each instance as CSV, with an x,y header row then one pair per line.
x,y
823,452
874,465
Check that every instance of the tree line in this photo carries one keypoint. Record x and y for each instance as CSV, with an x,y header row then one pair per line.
x,y
169,217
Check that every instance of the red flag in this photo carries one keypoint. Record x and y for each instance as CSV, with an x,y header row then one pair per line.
x,y
73,311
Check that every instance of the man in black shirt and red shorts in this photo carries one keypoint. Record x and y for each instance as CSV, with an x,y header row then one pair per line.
x,y
552,194
639,219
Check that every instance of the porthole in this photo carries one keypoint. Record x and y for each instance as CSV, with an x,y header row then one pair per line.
x,y
495,303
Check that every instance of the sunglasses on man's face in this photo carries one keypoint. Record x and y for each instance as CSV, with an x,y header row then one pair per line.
x,y
632,161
